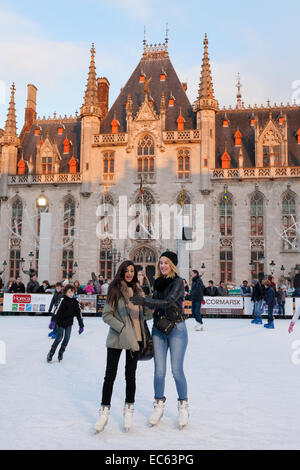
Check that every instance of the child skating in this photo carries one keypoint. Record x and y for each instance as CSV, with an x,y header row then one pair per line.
x,y
63,319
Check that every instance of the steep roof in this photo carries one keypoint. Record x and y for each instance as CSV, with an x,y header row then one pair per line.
x,y
71,131
241,120
152,67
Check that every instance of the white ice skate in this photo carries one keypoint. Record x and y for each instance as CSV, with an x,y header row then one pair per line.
x,y
103,418
159,406
199,327
128,414
183,416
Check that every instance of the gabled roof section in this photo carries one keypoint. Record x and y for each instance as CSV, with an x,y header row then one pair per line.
x,y
155,60
242,120
48,130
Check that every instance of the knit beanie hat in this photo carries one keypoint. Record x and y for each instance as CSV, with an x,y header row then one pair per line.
x,y
172,256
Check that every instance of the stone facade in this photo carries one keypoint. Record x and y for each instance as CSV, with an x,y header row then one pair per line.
x,y
153,146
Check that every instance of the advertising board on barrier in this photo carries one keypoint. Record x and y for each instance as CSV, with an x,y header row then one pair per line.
x,y
288,307
27,303
223,306
88,303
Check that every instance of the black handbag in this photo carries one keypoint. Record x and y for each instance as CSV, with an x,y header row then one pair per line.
x,y
147,352
164,325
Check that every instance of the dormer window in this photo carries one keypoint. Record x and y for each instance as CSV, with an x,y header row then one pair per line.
x,y
66,146
37,132
163,76
60,130
73,165
225,123
238,138
21,167
252,122
171,100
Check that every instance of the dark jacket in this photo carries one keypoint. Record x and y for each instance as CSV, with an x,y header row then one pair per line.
x,y
169,302
17,288
211,291
197,292
257,293
67,310
270,297
33,287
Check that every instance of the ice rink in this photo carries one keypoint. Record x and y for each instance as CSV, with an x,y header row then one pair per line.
x,y
244,390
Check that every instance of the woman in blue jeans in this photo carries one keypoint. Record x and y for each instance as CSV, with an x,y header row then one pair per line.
x,y
167,303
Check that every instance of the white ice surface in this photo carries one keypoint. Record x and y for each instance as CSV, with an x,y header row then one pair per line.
x,y
244,390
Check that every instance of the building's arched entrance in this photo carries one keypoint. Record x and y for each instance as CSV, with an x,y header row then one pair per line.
x,y
145,258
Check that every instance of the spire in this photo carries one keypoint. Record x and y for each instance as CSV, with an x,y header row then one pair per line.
x,y
91,99
9,136
239,94
11,123
206,99
206,89
91,94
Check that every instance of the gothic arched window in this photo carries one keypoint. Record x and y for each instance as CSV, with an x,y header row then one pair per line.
x,y
17,216
225,216
184,164
289,221
69,217
145,160
144,226
108,166
257,215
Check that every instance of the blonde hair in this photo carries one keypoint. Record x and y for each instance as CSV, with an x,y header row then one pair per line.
x,y
174,269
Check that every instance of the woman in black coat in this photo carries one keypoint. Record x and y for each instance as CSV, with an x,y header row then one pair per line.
x,y
167,302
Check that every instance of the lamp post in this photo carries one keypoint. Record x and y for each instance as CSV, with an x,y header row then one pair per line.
x,y
116,258
4,267
203,267
272,266
282,269
30,272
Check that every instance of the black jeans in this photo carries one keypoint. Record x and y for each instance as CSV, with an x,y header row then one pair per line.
x,y
113,357
62,333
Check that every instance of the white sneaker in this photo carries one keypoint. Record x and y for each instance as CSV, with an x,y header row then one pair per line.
x,y
103,418
199,327
128,414
159,406
183,413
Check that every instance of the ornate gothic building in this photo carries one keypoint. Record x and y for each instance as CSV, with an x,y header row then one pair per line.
x,y
152,146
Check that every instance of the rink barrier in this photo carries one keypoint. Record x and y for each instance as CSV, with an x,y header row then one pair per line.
x,y
95,309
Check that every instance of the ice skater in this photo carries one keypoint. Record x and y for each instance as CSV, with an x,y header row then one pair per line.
x,y
63,319
270,302
126,332
294,320
169,332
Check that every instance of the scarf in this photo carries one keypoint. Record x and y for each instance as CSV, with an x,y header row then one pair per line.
x,y
161,283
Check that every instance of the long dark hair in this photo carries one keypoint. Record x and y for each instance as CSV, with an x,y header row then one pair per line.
x,y
114,290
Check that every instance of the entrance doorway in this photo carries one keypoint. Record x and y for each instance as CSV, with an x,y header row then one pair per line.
x,y
145,259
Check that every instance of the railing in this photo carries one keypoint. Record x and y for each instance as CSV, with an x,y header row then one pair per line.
x,y
182,136
113,139
45,179
243,173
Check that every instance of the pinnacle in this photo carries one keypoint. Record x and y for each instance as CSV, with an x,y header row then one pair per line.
x,y
11,123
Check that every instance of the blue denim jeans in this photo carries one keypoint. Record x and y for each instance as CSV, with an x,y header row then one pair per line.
x,y
177,342
270,313
196,311
258,309
62,334
282,308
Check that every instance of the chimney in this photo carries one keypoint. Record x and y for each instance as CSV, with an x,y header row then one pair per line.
x,y
30,110
103,95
